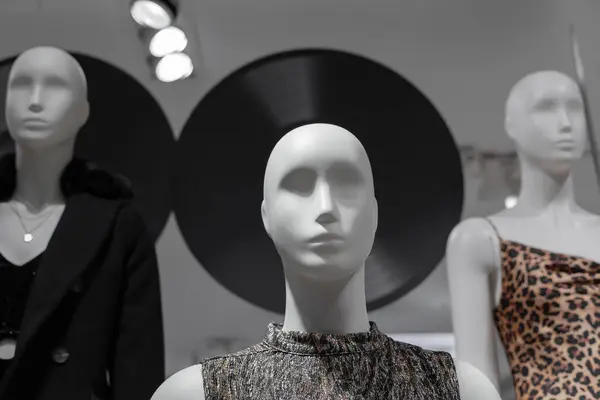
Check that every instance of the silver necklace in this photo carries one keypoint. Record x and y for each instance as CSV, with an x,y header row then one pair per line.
x,y
28,234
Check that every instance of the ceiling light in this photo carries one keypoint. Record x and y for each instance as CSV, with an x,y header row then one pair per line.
x,y
155,14
167,41
174,67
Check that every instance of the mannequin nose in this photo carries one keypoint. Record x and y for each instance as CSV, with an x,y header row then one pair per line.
x,y
35,107
326,206
565,122
35,104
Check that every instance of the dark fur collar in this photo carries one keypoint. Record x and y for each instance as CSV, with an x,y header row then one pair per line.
x,y
80,176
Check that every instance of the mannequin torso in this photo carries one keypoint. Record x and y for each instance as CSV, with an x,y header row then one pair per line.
x,y
320,211
546,230
578,237
188,384
12,246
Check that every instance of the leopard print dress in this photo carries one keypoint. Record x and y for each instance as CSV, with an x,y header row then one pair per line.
x,y
313,366
549,322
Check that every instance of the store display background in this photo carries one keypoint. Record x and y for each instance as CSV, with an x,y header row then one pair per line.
x,y
464,55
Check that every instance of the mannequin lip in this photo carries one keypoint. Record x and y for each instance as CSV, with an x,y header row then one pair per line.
x,y
35,122
326,238
565,143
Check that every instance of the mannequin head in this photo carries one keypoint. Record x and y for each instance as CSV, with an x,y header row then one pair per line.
x,y
319,205
46,100
545,118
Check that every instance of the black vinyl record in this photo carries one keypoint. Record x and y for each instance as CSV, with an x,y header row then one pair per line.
x,y
127,133
223,150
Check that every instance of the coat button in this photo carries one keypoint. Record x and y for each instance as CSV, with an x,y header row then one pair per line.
x,y
77,287
60,355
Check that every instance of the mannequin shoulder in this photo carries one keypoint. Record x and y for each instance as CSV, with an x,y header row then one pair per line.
x,y
81,175
186,384
473,383
472,239
130,224
471,233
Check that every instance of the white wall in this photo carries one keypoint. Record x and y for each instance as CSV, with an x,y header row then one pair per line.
x,y
464,54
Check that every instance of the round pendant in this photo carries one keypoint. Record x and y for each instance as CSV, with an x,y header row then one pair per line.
x,y
7,348
28,237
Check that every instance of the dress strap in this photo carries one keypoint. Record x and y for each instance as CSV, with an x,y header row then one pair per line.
x,y
489,221
495,245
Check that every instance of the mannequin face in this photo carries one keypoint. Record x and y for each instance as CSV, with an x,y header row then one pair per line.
x,y
46,101
319,206
545,117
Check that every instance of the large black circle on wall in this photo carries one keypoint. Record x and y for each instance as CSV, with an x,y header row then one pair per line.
x,y
127,133
224,147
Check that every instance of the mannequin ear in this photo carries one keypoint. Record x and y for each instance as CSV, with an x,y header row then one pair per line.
x,y
85,112
265,218
508,127
375,214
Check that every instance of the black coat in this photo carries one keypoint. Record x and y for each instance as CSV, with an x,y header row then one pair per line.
x,y
92,327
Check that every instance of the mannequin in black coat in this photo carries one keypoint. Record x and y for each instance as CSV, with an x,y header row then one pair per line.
x,y
91,326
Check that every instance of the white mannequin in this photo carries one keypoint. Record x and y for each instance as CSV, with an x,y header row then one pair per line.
x,y
319,181
545,118
46,105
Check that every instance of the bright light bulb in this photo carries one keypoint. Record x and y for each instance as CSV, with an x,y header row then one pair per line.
x,y
151,14
167,41
174,67
510,201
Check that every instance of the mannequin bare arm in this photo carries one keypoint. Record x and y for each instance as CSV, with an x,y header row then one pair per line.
x,y
470,259
473,384
186,384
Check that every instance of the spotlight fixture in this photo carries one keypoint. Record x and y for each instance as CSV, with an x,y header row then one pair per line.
x,y
167,41
154,14
174,67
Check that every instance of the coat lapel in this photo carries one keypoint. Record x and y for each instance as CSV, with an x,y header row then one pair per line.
x,y
80,233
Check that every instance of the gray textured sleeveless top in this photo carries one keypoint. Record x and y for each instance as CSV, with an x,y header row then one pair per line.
x,y
314,366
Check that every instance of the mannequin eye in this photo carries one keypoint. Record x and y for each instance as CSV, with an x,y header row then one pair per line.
x,y
345,175
56,81
546,105
20,81
299,181
575,105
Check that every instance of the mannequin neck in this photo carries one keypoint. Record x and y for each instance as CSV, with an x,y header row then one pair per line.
x,y
39,172
544,192
332,307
